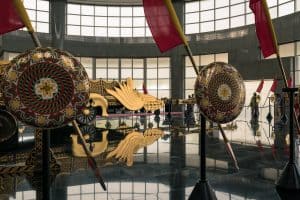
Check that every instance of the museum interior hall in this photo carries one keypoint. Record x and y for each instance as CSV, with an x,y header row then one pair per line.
x,y
149,99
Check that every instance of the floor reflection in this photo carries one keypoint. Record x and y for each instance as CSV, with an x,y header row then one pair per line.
x,y
160,162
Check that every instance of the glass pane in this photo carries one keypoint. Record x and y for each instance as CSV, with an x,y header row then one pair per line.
x,y
138,11
205,5
237,21
113,11
125,73
126,63
138,32
272,3
101,73
101,10
86,62
192,17
192,28
222,13
87,20
87,10
42,27
89,71
207,26
273,12
32,14
113,21
113,32
126,32
207,59
138,73
151,62
151,73
222,24
237,9
87,30
152,84
73,19
73,8
164,73
286,9
163,83
163,94
100,21
236,1
282,1
30,4
207,15
101,31
113,74
126,11
189,72
222,3
163,62
138,21
42,5
73,30
249,19
287,50
189,83
126,22
42,16
138,63
192,6
101,63
222,57
113,63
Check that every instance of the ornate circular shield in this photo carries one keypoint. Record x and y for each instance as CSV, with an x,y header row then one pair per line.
x,y
46,87
220,92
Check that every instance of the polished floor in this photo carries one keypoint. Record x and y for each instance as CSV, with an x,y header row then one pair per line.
x,y
164,168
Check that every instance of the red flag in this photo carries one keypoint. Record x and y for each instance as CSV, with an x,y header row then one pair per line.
x,y
260,86
264,28
274,85
9,18
290,82
163,24
145,89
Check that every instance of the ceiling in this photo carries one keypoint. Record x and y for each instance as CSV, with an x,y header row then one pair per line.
x,y
109,2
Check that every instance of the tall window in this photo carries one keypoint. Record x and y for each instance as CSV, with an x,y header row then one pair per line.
x,y
214,15
38,11
106,21
156,77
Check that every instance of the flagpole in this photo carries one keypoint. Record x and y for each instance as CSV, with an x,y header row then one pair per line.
x,y
267,97
274,39
225,139
92,162
176,23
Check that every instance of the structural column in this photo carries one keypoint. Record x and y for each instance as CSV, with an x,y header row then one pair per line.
x,y
58,22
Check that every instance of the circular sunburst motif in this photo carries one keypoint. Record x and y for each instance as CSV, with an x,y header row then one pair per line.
x,y
224,92
45,86
220,92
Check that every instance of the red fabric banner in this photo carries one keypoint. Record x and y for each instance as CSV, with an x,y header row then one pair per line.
x,y
290,82
263,29
260,86
161,25
145,89
274,85
9,18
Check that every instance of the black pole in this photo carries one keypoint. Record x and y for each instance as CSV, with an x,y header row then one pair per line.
x,y
202,189
46,165
288,185
203,153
